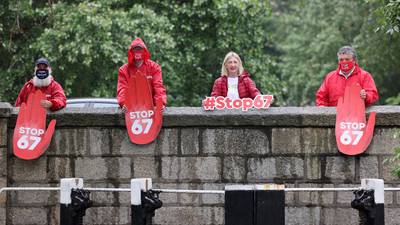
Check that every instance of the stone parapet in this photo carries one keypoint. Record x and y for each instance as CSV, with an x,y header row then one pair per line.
x,y
196,149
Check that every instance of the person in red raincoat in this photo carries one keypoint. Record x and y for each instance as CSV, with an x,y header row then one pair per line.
x,y
43,81
139,60
234,81
347,73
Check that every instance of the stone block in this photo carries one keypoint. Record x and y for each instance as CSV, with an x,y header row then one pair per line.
x,y
28,170
384,141
99,142
59,167
30,198
167,198
397,194
302,216
3,215
191,168
121,145
309,197
389,197
290,197
27,215
286,140
5,109
290,167
103,168
344,198
234,168
104,198
279,167
3,132
369,167
313,168
69,142
145,167
392,216
261,168
189,215
54,216
80,142
327,197
339,216
387,169
167,143
190,141
124,198
189,199
107,215
235,142
3,196
340,168
3,162
213,198
257,142
319,141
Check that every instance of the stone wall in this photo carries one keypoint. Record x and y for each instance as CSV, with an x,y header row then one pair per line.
x,y
198,150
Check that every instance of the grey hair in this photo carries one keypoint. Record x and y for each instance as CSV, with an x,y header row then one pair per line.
x,y
347,50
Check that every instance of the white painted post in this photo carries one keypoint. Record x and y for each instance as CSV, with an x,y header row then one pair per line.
x,y
138,215
379,196
66,186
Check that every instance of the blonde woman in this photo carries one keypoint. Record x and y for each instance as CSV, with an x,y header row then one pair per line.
x,y
234,82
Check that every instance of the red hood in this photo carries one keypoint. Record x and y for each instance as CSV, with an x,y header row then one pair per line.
x,y
138,42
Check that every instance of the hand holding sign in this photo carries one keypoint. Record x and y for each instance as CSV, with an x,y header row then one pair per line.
x,y
143,120
353,135
31,139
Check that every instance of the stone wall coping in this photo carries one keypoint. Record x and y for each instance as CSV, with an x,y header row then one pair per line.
x,y
5,109
197,117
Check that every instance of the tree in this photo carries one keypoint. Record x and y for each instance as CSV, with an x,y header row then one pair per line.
x,y
87,42
311,32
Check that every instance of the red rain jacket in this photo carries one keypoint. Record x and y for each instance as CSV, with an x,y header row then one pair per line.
x,y
334,85
151,69
54,93
246,87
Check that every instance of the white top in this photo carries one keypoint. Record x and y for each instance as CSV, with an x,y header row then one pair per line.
x,y
233,88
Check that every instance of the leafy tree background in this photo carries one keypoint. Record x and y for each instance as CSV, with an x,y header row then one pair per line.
x,y
287,46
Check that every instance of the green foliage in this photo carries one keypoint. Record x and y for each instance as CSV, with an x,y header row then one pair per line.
x,y
394,161
390,16
395,100
287,46
309,34
205,31
87,41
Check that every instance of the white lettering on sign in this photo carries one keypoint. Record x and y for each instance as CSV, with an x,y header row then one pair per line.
x,y
30,138
28,142
259,102
141,114
142,121
353,126
352,134
31,131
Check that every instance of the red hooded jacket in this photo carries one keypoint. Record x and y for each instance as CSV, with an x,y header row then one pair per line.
x,y
151,69
54,93
334,85
246,87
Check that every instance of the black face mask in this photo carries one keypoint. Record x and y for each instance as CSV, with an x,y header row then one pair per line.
x,y
42,74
